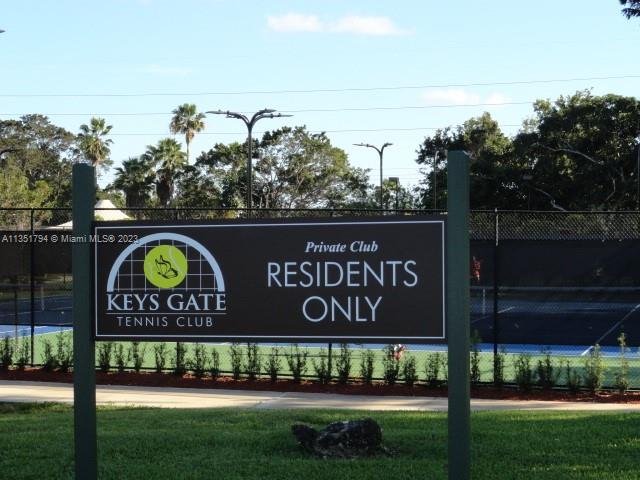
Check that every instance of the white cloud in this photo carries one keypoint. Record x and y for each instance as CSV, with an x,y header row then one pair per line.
x,y
450,95
295,22
359,25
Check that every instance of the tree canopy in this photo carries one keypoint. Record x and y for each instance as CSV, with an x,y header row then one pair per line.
x,y
632,8
135,179
293,169
186,120
35,153
577,153
93,144
168,158
492,166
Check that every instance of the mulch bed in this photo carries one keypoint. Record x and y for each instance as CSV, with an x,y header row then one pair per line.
x,y
146,379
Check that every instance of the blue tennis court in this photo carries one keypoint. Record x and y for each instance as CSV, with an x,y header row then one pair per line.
x,y
557,316
562,321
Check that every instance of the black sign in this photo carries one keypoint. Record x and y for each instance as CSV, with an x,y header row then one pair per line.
x,y
296,280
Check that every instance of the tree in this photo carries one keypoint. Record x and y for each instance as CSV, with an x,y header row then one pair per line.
x,y
168,157
42,152
492,168
93,144
581,152
226,164
393,195
431,154
293,169
17,192
197,189
188,122
632,8
135,179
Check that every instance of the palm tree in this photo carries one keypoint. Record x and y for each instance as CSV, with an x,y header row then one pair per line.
x,y
633,8
186,120
92,142
135,178
169,157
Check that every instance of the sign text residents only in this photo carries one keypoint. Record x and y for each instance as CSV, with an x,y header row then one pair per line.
x,y
314,280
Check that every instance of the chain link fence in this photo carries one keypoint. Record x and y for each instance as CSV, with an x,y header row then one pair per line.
x,y
543,283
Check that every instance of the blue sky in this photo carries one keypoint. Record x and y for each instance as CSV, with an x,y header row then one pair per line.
x,y
211,52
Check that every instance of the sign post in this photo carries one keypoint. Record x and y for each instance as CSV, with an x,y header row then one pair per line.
x,y
458,315
84,377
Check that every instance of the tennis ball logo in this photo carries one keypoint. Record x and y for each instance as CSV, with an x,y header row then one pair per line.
x,y
165,266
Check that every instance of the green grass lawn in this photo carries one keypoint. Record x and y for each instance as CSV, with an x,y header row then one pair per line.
x,y
136,443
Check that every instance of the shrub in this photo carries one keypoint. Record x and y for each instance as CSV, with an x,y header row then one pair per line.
x,y
235,352
498,368
49,360
6,353
573,378
23,354
546,372
409,370
621,378
160,356
214,368
343,364
523,372
253,363
198,364
180,359
432,369
297,361
474,374
120,357
390,365
367,362
105,350
64,351
137,355
593,370
274,364
321,368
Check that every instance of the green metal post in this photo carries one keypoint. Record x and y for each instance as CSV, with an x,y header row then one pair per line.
x,y
84,376
458,315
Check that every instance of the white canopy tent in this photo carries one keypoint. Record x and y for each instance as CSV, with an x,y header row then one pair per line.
x,y
105,210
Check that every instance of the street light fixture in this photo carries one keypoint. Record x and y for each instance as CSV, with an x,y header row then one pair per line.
x,y
380,153
250,122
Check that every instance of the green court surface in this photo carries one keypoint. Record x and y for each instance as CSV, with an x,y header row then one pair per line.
x,y
232,444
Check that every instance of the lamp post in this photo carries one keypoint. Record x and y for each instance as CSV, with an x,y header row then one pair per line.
x,y
250,122
380,153
396,182
638,176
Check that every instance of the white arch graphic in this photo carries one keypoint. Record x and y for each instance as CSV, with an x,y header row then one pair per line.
x,y
165,236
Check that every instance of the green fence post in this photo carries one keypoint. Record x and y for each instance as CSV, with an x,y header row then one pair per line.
x,y
458,315
84,373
